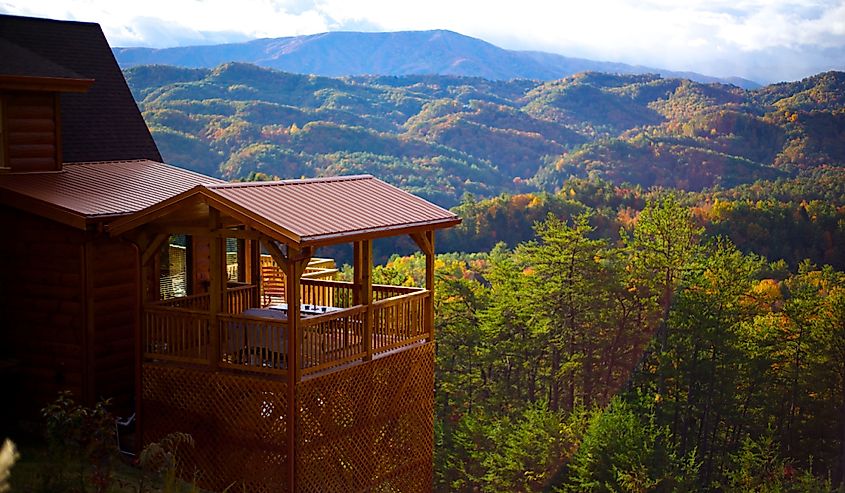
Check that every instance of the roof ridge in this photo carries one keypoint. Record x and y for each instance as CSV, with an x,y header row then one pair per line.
x,y
84,163
107,164
301,181
46,19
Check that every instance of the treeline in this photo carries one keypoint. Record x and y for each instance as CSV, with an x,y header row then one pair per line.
x,y
661,361
786,219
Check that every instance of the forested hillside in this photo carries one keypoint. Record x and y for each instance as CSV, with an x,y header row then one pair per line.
x,y
665,360
443,137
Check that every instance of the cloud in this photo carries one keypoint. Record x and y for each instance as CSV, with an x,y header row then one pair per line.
x,y
728,37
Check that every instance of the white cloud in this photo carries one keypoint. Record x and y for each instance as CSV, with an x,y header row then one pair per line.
x,y
674,34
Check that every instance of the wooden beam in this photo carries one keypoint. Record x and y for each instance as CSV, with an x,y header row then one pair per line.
x,y
151,249
275,251
423,242
175,229
363,290
293,264
429,282
217,286
357,268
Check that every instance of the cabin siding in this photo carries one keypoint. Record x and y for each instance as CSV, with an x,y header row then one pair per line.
x,y
41,301
113,275
31,128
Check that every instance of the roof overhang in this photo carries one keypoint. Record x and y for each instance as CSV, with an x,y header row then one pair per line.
x,y
45,84
263,218
44,209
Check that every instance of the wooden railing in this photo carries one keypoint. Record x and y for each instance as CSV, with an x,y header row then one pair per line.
x,y
383,291
339,293
240,298
176,334
253,343
399,321
332,339
173,330
198,302
328,293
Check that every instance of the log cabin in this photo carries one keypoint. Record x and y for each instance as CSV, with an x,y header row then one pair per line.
x,y
200,305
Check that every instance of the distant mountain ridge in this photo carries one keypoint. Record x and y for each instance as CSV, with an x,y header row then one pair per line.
x,y
445,136
436,52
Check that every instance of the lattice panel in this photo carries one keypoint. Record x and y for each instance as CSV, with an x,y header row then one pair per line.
x,y
369,427
238,423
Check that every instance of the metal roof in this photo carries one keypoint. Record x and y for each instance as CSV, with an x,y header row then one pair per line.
x,y
85,191
312,211
321,208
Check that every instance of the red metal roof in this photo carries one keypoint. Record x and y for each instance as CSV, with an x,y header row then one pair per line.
x,y
86,191
310,212
323,208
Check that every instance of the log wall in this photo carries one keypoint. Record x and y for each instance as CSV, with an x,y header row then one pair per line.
x,y
42,310
31,128
112,306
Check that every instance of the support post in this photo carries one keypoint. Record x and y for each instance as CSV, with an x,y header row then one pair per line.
x,y
217,286
253,269
363,290
425,241
293,263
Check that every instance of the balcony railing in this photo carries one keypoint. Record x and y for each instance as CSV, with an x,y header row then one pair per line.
x,y
179,329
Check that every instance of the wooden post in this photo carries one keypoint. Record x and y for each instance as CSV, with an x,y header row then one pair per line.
x,y
255,271
216,289
425,241
429,284
293,263
362,293
356,273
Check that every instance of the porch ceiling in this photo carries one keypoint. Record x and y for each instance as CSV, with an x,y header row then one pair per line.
x,y
301,213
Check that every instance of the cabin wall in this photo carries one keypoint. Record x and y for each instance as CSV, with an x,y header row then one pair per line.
x,y
42,311
31,131
112,306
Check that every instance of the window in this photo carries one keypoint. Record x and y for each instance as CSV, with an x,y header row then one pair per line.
x,y
174,270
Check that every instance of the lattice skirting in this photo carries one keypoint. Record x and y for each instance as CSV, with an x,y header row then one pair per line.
x,y
238,423
368,427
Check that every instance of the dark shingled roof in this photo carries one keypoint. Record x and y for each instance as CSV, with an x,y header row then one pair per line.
x,y
20,61
102,124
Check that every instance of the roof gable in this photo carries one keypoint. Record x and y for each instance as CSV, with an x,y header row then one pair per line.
x,y
102,124
309,212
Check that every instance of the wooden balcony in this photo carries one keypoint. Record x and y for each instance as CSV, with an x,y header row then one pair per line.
x,y
183,330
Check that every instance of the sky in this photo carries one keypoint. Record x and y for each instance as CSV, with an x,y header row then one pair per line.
x,y
763,40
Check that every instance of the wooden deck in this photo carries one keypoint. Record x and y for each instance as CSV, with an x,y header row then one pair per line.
x,y
179,330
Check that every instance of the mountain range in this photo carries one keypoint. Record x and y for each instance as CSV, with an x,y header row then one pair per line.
x,y
445,136
437,52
